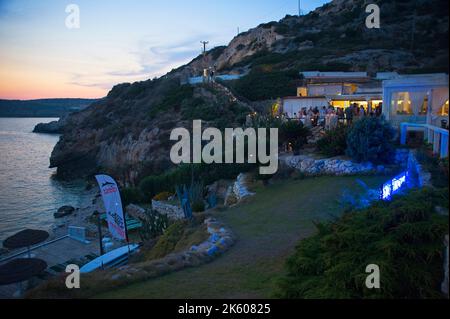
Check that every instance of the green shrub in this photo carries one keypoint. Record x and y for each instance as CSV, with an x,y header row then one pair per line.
x,y
167,242
131,196
334,143
260,85
152,185
295,134
153,225
198,207
173,99
182,175
163,196
179,236
370,139
436,166
403,237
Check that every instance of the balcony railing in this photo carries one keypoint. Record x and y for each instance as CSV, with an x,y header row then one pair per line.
x,y
433,135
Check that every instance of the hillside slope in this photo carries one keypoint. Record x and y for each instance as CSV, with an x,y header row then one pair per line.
x,y
127,133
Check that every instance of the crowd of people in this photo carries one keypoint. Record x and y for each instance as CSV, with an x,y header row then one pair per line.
x,y
330,116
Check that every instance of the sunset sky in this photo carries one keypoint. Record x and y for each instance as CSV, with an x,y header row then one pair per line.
x,y
118,41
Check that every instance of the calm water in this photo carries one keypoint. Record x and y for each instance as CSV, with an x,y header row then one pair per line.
x,y
28,194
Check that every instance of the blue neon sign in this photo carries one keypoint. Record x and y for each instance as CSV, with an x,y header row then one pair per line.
x,y
394,186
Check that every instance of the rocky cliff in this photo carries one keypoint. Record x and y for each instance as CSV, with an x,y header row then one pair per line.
x,y
126,134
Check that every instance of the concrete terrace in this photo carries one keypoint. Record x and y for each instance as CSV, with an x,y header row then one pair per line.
x,y
57,253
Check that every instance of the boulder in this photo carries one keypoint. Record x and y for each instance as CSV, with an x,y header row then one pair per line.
x,y
55,127
64,211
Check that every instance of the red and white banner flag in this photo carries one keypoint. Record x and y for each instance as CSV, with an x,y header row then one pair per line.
x,y
113,205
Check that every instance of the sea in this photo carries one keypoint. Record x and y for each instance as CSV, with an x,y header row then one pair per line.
x,y
29,191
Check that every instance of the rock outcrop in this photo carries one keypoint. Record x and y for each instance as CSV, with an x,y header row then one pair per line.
x,y
172,211
239,190
64,211
54,127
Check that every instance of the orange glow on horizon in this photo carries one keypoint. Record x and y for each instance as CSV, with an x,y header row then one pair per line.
x,y
35,83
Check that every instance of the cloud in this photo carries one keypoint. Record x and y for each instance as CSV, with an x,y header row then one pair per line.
x,y
155,59
150,58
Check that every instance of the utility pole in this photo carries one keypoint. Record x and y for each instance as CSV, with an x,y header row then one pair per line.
x,y
100,236
204,47
299,7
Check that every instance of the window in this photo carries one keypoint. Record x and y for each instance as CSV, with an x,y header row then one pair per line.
x,y
445,109
401,105
409,103
424,108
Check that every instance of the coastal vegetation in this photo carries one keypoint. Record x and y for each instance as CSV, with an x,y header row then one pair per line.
x,y
267,227
370,139
334,142
294,134
265,84
186,174
403,237
179,236
367,139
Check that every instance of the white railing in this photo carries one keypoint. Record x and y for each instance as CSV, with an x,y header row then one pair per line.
x,y
433,134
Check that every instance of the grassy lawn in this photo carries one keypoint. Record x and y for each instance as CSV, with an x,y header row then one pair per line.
x,y
267,227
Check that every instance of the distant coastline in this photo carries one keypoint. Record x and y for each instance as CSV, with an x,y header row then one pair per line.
x,y
43,107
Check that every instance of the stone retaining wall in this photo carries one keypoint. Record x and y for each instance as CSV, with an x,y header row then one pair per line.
x,y
239,190
339,167
310,166
136,212
240,187
423,176
219,241
171,211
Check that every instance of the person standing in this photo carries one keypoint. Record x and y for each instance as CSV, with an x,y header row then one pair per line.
x,y
349,114
362,112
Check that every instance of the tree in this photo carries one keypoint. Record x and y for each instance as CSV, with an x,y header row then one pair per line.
x,y
371,140
295,134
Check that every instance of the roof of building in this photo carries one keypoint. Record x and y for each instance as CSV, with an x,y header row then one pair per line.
x,y
432,79
303,97
386,75
343,75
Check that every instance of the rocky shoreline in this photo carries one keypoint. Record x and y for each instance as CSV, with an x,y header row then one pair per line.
x,y
54,127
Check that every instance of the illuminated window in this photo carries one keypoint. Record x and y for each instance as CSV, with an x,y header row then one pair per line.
x,y
401,105
424,108
445,109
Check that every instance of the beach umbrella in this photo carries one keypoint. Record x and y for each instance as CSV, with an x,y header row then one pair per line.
x,y
19,270
25,238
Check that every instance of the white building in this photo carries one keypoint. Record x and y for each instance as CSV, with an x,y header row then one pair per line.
x,y
416,99
292,105
342,89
